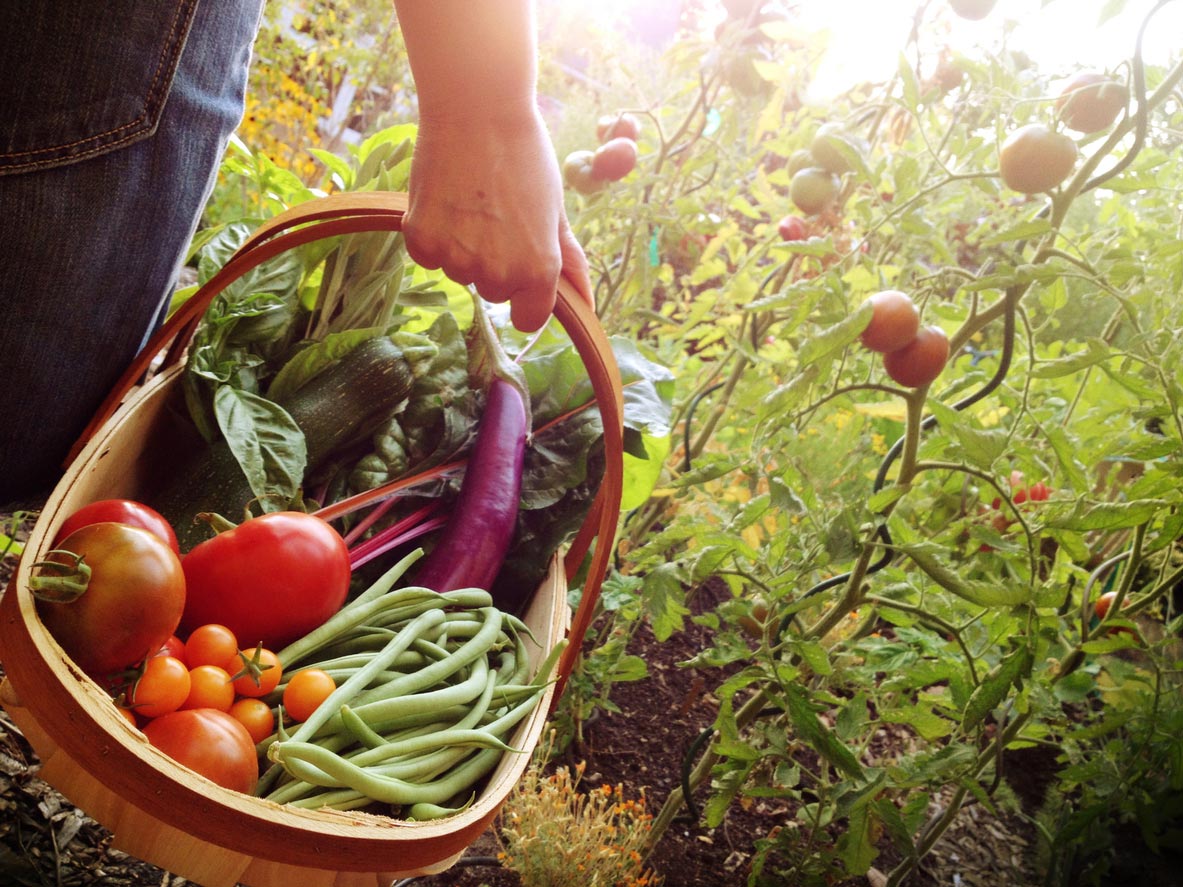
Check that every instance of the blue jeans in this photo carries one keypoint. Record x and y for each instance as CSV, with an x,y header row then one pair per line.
x,y
113,120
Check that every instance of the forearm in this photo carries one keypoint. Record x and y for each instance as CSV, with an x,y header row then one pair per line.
x,y
470,57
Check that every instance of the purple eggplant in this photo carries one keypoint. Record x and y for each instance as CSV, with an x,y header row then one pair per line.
x,y
472,546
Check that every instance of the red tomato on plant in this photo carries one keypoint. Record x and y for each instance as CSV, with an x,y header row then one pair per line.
x,y
1034,159
1090,102
791,228
163,687
120,511
614,159
894,322
270,580
1039,492
208,742
921,361
623,125
110,594
305,691
210,644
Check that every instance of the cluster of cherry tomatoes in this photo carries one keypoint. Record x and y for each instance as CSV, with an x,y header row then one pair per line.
x,y
913,356
590,171
117,596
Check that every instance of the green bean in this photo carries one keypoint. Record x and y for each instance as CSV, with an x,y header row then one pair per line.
x,y
351,687
387,789
424,811
379,705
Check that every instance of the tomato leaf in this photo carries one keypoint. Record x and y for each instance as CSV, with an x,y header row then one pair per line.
x,y
995,685
977,591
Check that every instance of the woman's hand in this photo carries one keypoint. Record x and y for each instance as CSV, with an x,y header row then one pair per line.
x,y
486,207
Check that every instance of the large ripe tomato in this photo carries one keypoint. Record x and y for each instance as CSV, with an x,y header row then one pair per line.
x,y
209,742
120,511
974,10
1034,159
614,159
1090,102
269,580
921,361
131,603
813,189
894,322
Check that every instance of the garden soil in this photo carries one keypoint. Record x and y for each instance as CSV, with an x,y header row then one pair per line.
x,y
44,840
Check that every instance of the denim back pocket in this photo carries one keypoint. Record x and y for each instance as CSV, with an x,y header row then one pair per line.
x,y
78,78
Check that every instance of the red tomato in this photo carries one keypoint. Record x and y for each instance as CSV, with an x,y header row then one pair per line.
x,y
210,644
255,672
1039,492
1104,602
120,511
131,602
209,687
1034,159
163,687
791,228
921,361
270,580
614,159
305,691
623,125
208,742
256,716
1090,101
173,647
894,322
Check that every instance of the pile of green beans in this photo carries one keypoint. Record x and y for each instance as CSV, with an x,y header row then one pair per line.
x,y
429,688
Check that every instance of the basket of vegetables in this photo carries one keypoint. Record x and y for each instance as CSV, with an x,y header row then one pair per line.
x,y
399,693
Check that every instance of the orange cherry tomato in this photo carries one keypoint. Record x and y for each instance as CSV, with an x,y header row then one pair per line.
x,y
305,691
255,672
163,687
210,644
256,716
209,687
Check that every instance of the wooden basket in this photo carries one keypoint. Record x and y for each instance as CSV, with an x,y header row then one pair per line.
x,y
170,816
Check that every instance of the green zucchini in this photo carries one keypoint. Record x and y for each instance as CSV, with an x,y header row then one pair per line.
x,y
340,406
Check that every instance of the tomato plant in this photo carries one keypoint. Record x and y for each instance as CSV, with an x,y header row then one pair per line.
x,y
209,742
121,511
894,322
111,595
1034,159
305,691
269,580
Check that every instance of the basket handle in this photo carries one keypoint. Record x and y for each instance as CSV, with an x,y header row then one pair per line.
x,y
357,212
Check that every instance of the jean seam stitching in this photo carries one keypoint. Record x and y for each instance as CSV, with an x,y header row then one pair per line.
x,y
169,55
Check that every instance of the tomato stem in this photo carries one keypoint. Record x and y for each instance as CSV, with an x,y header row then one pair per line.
x,y
69,581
